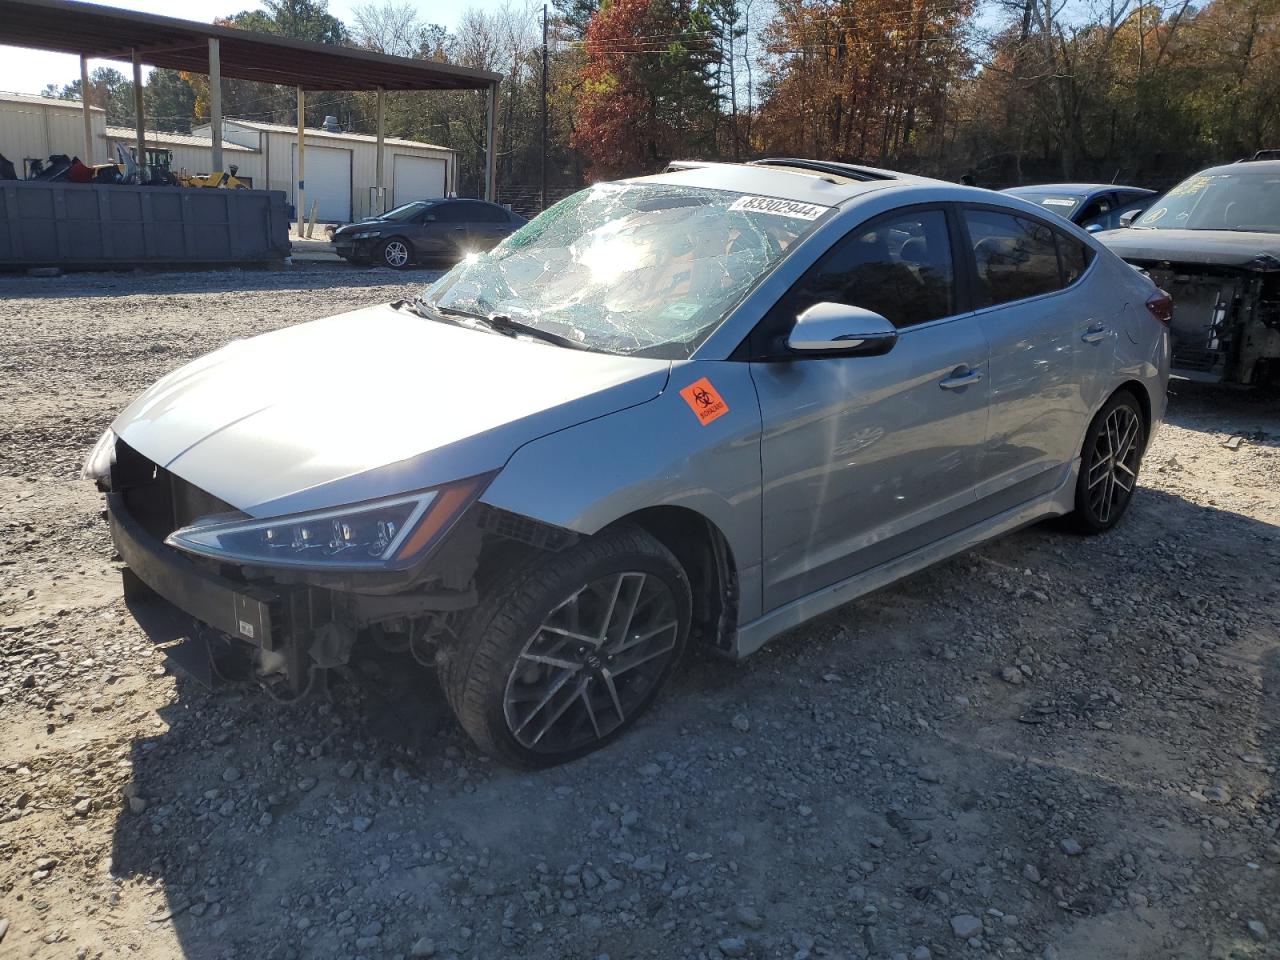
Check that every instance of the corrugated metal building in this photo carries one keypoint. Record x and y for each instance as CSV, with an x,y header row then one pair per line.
x,y
192,153
340,167
32,128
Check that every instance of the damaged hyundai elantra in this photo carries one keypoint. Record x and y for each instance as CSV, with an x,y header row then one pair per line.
x,y
698,407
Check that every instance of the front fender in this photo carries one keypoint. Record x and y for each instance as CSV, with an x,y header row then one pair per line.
x,y
660,453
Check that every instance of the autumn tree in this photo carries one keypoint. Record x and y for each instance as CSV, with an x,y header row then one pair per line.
x,y
647,93
859,82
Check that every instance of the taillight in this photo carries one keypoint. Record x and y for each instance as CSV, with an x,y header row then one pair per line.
x,y
1161,306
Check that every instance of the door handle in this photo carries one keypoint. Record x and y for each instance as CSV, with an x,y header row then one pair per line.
x,y
1096,333
960,378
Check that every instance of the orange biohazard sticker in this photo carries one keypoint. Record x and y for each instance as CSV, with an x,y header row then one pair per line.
x,y
706,404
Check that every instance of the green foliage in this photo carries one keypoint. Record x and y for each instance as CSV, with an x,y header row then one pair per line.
x,y
169,101
295,19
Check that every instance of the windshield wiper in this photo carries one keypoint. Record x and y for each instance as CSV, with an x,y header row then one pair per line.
x,y
497,322
514,328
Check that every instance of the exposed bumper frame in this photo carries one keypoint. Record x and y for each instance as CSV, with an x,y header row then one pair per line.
x,y
238,610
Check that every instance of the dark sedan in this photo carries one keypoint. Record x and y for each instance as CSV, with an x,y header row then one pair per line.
x,y
1094,206
425,231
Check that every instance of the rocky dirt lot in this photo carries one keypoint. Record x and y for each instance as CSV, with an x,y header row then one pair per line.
x,y
1053,747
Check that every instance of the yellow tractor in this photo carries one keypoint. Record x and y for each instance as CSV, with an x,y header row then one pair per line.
x,y
226,180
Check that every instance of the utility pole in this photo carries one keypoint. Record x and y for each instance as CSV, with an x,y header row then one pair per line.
x,y
544,106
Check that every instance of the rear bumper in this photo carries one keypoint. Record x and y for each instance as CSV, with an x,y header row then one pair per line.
x,y
245,612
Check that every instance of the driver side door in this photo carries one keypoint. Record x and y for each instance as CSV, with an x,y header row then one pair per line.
x,y
867,458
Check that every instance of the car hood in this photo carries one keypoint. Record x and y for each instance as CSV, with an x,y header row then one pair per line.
x,y
1228,248
369,404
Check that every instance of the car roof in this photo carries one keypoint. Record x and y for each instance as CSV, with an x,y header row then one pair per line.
x,y
1081,188
1271,167
820,184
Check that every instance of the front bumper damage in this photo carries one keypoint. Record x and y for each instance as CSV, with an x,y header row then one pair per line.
x,y
1226,320
294,626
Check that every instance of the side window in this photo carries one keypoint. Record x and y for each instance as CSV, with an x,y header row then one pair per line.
x,y
449,213
1075,257
1097,213
899,266
1015,257
485,213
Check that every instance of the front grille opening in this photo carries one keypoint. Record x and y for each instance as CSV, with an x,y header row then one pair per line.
x,y
160,500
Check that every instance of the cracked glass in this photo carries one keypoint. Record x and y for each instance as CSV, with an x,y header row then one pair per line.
x,y
640,269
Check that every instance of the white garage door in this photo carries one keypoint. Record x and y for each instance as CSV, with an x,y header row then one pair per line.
x,y
327,182
417,178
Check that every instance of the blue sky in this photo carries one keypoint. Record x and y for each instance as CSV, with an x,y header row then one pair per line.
x,y
28,71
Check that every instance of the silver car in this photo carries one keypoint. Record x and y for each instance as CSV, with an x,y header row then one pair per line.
x,y
700,407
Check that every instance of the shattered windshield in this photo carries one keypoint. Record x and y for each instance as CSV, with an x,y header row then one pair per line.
x,y
1247,200
630,268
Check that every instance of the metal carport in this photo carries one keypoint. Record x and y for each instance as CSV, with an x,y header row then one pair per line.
x,y
99,32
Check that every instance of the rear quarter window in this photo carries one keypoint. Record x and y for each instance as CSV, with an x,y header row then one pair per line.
x,y
1015,258
1076,257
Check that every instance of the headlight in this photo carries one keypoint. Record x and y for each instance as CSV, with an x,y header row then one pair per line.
x,y
365,236
97,466
380,534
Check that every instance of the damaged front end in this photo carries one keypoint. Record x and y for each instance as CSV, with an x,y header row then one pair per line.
x,y
1226,319
290,621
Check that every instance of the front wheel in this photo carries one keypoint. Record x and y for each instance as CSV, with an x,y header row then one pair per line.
x,y
395,253
1109,464
565,652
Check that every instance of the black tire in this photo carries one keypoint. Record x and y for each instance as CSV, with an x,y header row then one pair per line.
x,y
396,253
489,662
1101,493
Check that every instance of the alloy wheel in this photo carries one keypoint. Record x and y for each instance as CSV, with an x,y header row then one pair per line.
x,y
396,253
592,663
1113,464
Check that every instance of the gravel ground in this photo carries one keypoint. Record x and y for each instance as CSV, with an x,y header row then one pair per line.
x,y
1052,747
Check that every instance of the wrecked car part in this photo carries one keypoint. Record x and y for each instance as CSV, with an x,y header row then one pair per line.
x,y
1213,242
1226,321
296,625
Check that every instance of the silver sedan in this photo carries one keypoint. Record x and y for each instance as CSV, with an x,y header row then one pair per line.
x,y
700,407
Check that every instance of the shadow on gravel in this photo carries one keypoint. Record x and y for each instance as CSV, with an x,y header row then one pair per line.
x,y
361,826
1199,406
106,285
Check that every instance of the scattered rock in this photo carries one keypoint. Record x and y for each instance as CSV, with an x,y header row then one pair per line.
x,y
966,925
733,947
1257,930
423,947
1012,675
742,723
1071,847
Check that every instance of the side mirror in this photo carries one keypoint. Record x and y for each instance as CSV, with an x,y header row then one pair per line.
x,y
1093,228
839,329
1127,218
429,218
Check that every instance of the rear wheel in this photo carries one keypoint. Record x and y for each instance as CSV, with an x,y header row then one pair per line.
x,y
395,253
1109,464
564,654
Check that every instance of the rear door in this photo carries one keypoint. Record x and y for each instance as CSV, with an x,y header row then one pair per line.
x,y
868,458
488,224
1050,345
